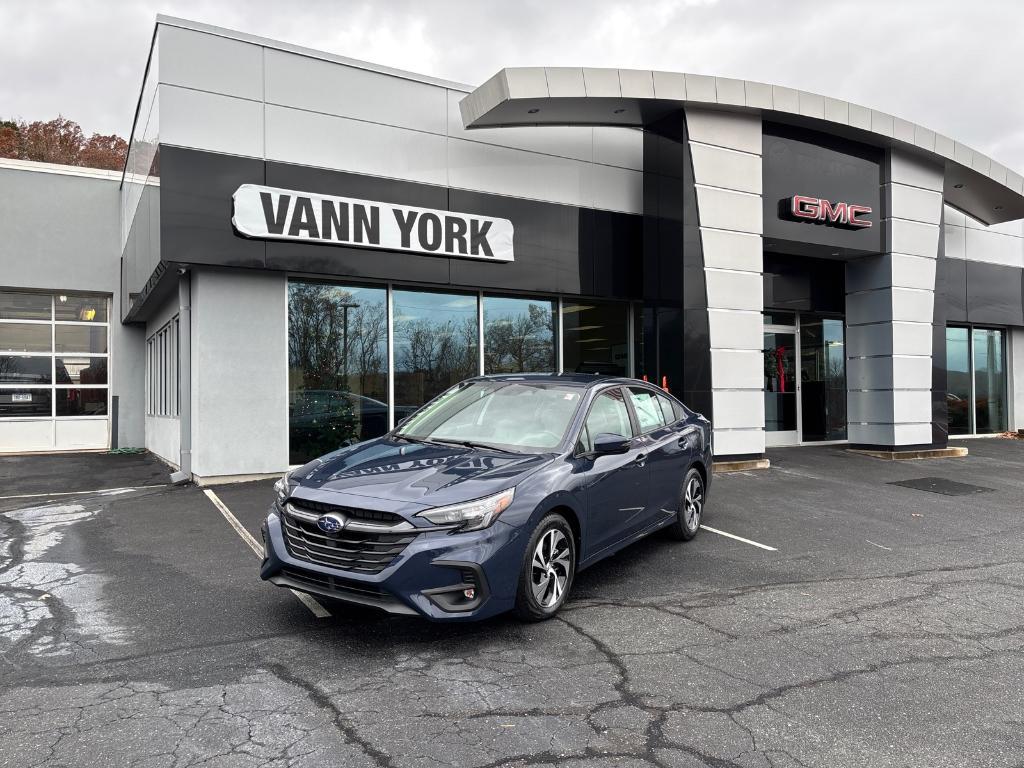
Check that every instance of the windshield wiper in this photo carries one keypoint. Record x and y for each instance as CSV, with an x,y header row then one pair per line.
x,y
475,444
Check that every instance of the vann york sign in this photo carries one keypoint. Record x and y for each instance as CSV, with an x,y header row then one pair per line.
x,y
269,213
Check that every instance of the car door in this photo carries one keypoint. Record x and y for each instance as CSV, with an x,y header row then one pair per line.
x,y
613,485
666,456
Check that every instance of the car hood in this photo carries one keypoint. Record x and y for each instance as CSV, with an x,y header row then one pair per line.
x,y
407,472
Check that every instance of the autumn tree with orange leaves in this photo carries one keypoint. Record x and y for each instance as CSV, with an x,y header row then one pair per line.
x,y
60,141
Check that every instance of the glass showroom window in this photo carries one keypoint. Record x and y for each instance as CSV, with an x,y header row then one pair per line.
x,y
162,371
53,355
976,380
436,345
519,335
595,338
337,367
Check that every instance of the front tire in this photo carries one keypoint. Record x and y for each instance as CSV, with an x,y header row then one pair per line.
x,y
547,571
691,507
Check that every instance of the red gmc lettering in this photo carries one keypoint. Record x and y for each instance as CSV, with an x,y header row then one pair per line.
x,y
827,212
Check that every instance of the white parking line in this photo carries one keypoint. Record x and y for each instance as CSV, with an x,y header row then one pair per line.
x,y
80,493
869,541
307,600
739,538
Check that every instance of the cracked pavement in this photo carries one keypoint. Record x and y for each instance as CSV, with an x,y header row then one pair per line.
x,y
887,630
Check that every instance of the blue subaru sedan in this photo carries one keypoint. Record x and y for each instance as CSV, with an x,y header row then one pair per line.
x,y
491,497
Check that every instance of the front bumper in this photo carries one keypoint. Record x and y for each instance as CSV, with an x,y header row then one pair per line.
x,y
428,578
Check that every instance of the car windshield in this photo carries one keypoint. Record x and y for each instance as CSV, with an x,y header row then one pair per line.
x,y
510,415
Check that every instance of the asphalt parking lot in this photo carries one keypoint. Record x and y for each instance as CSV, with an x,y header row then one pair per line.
x,y
883,625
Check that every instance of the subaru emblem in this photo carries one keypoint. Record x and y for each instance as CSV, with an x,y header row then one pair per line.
x,y
330,523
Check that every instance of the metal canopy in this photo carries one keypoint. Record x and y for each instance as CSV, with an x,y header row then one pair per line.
x,y
538,96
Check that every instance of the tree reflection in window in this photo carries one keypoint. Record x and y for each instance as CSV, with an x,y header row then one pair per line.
x,y
519,335
435,345
337,367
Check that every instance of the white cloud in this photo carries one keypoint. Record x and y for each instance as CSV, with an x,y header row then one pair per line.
x,y
948,65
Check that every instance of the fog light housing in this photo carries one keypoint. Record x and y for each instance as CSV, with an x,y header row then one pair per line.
x,y
469,594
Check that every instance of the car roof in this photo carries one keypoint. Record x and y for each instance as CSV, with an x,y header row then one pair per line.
x,y
585,380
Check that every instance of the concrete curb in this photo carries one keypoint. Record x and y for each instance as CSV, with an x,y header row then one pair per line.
x,y
927,453
740,466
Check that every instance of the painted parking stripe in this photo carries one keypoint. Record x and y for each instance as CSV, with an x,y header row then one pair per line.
x,y
81,493
739,538
307,600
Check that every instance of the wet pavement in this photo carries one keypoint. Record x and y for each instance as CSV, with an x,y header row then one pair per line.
x,y
886,628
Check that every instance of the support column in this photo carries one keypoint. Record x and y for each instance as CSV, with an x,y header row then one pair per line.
x,y
889,312
725,150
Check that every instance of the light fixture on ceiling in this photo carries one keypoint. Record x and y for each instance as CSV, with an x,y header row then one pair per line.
x,y
533,111
618,111
958,186
999,208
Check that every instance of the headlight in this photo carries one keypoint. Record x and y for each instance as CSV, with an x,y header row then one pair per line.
x,y
473,515
281,486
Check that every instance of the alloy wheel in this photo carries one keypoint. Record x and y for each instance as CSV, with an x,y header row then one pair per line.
x,y
693,503
550,568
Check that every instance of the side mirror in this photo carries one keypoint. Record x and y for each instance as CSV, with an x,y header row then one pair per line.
x,y
609,442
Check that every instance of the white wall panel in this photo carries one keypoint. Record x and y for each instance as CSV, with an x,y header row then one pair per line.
x,y
622,147
735,409
911,237
724,209
163,437
324,86
615,189
1015,370
239,368
210,63
912,406
955,246
736,442
338,143
993,247
734,290
905,168
913,203
732,250
735,330
17,436
724,129
503,171
81,434
211,122
737,369
718,167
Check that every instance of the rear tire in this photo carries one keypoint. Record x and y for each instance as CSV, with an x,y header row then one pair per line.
x,y
547,571
692,496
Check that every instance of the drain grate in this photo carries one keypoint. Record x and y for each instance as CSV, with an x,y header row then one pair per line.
x,y
941,485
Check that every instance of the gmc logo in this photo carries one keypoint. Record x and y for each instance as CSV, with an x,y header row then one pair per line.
x,y
820,210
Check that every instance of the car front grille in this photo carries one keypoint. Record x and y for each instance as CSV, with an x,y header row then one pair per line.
x,y
363,515
359,551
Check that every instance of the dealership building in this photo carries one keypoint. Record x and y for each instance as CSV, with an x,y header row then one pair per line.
x,y
304,248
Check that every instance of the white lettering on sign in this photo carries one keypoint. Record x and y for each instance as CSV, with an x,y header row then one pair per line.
x,y
269,213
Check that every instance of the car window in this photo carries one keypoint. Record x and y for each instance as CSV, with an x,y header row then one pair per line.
x,y
647,408
608,414
672,410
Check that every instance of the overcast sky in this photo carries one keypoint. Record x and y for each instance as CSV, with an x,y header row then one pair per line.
x,y
951,65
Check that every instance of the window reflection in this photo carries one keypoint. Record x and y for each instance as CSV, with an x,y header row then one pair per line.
x,y
519,335
595,338
435,345
81,402
337,367
958,381
989,381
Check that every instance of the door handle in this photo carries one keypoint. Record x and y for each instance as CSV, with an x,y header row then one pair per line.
x,y
640,460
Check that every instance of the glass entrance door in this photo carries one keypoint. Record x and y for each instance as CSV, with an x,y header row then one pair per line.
x,y
822,379
781,414
804,379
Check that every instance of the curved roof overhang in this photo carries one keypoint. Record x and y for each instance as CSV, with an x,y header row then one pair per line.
x,y
538,96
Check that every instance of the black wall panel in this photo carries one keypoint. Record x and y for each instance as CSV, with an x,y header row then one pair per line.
x,y
994,294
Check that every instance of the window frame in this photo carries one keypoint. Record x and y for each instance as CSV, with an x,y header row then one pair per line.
x,y
576,452
53,354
